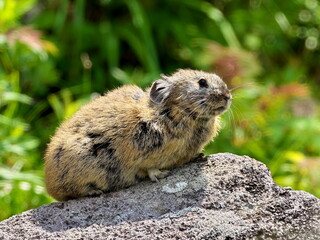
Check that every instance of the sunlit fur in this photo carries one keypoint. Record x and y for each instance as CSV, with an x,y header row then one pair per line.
x,y
113,141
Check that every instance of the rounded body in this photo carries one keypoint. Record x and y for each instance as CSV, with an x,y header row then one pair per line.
x,y
122,137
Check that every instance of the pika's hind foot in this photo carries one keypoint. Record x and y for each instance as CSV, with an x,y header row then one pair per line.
x,y
155,174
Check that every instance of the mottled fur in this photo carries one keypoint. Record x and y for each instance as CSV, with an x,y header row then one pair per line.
x,y
128,134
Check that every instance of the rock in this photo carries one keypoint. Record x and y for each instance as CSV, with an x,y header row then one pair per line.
x,y
225,197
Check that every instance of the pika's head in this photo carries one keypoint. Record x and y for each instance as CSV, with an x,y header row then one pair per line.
x,y
202,93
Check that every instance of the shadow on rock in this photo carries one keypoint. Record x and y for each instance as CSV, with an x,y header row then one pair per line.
x,y
172,196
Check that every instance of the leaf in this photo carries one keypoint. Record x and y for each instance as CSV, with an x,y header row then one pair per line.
x,y
9,174
11,11
15,96
12,122
57,106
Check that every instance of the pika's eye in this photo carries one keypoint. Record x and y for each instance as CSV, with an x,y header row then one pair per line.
x,y
203,83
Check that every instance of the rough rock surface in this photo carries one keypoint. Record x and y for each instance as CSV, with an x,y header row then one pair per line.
x,y
225,197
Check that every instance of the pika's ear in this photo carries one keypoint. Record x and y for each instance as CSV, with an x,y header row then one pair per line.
x,y
160,90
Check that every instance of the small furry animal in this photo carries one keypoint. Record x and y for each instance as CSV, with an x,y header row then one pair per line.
x,y
128,134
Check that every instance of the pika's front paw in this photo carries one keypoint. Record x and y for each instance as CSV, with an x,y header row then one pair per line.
x,y
199,157
155,174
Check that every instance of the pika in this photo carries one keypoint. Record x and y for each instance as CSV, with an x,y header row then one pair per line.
x,y
128,134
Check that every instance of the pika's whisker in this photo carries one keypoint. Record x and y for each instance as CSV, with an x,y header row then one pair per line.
x,y
241,86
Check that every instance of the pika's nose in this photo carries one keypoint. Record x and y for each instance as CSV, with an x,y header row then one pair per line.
x,y
225,95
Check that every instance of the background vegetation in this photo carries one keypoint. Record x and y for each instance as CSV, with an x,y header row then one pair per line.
x,y
54,55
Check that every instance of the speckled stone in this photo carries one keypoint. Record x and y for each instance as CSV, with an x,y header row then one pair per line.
x,y
224,197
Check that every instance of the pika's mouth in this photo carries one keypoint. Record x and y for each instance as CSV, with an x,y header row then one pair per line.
x,y
225,106
220,108
216,105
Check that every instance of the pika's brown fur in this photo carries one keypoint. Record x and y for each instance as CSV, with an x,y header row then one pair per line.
x,y
129,134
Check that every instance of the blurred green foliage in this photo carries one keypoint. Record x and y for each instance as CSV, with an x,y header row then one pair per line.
x,y
55,54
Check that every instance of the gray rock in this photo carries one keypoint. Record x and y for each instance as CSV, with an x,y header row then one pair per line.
x,y
225,197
